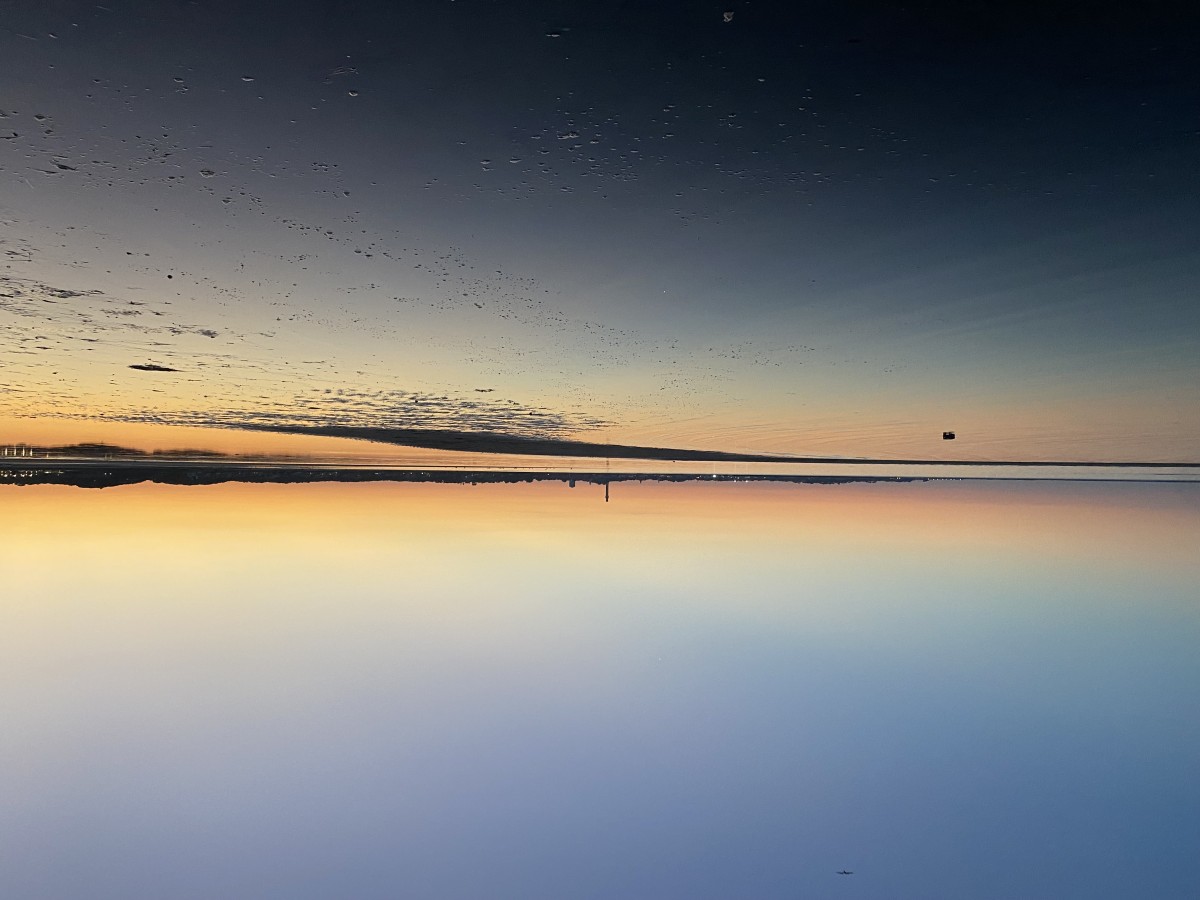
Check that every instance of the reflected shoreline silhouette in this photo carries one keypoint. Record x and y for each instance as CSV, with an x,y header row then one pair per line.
x,y
96,473
114,473
108,465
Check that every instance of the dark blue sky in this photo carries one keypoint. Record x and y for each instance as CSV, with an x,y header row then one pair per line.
x,y
825,226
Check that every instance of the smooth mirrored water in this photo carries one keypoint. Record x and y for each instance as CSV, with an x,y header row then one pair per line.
x,y
511,691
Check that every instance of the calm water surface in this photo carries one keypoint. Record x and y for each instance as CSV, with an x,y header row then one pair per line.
x,y
693,691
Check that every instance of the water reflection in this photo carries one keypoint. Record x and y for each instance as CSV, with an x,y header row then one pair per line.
x,y
700,691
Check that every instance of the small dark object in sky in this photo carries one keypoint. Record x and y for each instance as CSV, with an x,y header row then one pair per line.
x,y
152,367
947,435
845,872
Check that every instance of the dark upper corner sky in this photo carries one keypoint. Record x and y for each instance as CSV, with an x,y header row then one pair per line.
x,y
838,218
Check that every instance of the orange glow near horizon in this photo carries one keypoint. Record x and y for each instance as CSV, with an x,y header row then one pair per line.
x,y
1034,444
149,437
1071,520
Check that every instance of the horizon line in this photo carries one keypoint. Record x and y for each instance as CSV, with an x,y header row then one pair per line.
x,y
504,444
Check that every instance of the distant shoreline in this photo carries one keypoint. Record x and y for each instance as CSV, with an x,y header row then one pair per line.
x,y
94,473
506,445
113,473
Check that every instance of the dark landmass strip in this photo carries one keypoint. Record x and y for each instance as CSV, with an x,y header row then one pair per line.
x,y
98,475
501,444
492,442
99,451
